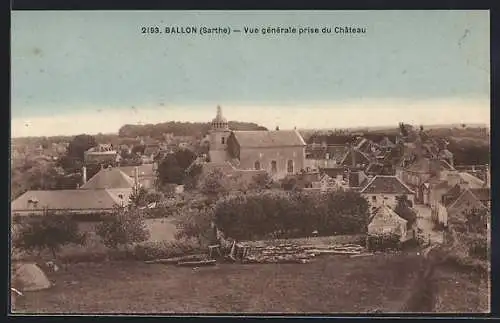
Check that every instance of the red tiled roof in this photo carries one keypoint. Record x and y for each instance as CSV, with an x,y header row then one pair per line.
x,y
386,184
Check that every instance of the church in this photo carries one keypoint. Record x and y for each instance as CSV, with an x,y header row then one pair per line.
x,y
279,152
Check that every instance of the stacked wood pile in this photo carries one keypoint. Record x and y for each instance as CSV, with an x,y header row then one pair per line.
x,y
188,261
291,253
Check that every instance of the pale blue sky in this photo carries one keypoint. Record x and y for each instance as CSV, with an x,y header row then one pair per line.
x,y
68,62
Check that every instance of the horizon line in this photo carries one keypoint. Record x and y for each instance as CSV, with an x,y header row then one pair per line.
x,y
353,128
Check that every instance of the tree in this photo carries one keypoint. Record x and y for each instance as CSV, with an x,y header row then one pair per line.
x,y
261,181
192,176
138,198
476,220
123,227
79,145
214,183
403,129
198,224
169,171
185,158
138,150
49,231
35,174
403,209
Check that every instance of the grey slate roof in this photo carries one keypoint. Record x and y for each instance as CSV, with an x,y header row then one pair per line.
x,y
109,178
266,139
386,184
68,200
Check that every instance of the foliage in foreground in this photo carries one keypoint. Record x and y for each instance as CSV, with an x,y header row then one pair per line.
x,y
290,215
122,227
47,232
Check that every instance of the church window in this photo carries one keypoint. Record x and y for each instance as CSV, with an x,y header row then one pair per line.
x,y
257,165
274,166
289,166
223,140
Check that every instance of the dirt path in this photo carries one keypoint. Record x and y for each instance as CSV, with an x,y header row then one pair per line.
x,y
422,298
424,222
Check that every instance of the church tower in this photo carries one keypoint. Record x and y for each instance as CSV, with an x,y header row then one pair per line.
x,y
218,134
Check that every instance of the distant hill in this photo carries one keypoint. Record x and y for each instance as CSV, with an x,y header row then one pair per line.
x,y
196,129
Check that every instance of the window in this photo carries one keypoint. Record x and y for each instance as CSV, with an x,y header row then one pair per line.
x,y
257,165
289,166
274,166
222,140
120,196
374,198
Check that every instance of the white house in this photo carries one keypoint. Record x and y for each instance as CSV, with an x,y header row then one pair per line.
x,y
383,190
384,220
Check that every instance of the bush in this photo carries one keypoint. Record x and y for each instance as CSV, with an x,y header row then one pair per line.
x,y
479,248
164,249
48,231
382,242
197,224
122,227
289,215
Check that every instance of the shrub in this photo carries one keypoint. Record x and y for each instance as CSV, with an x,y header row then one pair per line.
x,y
122,227
197,224
291,214
383,242
48,231
164,249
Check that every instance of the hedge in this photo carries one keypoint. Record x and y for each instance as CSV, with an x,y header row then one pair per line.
x,y
291,214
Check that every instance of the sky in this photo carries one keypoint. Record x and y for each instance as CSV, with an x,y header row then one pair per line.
x,y
89,71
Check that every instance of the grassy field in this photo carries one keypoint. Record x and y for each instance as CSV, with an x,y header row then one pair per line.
x,y
460,292
329,284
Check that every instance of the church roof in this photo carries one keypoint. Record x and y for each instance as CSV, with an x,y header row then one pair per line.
x,y
109,178
267,139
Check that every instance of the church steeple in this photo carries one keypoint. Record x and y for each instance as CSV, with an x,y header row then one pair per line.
x,y
219,122
219,112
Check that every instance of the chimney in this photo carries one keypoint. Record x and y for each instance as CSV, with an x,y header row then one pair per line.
x,y
136,175
353,157
84,175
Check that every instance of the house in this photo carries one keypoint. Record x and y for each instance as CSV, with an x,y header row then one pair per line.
x,y
357,180
108,178
300,181
356,159
101,154
146,174
151,150
418,172
383,190
458,201
324,156
384,220
386,144
241,176
70,201
327,183
334,172
280,152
